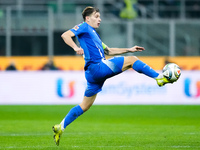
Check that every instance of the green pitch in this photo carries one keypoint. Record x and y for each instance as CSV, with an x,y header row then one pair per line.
x,y
102,128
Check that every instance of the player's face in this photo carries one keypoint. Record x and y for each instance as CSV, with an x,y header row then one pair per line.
x,y
94,20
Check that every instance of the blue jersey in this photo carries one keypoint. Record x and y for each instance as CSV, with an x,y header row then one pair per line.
x,y
97,69
90,42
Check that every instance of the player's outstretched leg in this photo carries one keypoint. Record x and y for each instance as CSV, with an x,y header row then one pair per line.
x,y
141,67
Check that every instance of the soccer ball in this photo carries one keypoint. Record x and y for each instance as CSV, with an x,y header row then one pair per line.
x,y
172,72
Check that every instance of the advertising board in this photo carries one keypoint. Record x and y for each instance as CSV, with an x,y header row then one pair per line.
x,y
67,87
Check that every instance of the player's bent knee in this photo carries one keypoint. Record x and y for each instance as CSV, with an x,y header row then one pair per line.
x,y
128,62
133,58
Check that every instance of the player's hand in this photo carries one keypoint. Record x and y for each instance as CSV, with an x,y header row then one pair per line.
x,y
79,50
136,49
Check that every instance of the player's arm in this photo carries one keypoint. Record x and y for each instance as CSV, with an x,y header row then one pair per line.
x,y
115,51
67,37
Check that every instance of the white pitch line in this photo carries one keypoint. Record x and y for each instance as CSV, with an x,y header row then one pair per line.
x,y
192,133
84,133
79,133
186,146
25,147
25,134
122,146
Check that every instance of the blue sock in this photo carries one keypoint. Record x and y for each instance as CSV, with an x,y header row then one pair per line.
x,y
141,67
71,116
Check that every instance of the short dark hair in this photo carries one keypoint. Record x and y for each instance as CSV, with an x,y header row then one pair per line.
x,y
88,11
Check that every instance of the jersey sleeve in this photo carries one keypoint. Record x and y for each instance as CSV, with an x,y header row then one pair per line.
x,y
79,29
104,45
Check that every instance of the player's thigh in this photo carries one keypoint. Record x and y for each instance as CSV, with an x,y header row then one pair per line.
x,y
115,64
128,62
87,102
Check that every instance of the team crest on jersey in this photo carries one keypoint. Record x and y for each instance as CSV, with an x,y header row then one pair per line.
x,y
76,27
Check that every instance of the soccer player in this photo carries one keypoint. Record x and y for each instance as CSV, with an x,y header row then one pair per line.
x,y
97,68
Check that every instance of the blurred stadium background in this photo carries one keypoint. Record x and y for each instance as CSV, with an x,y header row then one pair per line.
x,y
166,28
30,40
